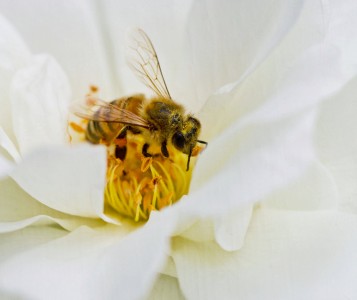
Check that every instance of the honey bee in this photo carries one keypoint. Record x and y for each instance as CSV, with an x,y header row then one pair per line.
x,y
159,119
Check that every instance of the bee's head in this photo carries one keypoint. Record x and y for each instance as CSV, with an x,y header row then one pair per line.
x,y
185,140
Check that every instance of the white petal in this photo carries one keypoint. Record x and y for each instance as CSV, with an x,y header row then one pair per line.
x,y
240,148
151,17
227,40
316,189
337,145
306,68
13,51
131,266
311,79
15,243
67,222
337,125
5,166
265,160
40,96
89,264
342,25
68,179
253,162
169,268
19,210
13,55
201,230
61,266
227,229
16,204
8,152
230,229
9,146
166,287
6,227
286,256
73,34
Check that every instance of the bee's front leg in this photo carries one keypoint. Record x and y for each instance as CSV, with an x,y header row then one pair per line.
x,y
164,149
144,151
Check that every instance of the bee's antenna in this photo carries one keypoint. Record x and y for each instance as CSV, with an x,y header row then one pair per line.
x,y
188,159
202,142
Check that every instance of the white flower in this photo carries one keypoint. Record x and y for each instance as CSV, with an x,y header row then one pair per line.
x,y
274,84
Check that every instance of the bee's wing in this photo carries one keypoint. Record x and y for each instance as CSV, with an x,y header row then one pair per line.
x,y
143,60
94,109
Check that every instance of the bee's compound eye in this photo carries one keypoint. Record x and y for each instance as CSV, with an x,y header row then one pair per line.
x,y
178,140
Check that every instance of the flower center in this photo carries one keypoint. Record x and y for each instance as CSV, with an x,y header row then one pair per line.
x,y
138,185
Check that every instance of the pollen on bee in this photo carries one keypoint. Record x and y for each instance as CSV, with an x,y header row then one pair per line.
x,y
196,150
120,142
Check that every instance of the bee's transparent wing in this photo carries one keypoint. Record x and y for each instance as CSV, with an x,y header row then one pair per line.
x,y
94,109
143,60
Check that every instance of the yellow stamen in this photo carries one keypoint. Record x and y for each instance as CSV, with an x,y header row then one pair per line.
x,y
146,163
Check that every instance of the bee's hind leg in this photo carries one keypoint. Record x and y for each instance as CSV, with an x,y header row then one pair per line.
x,y
144,151
164,149
120,146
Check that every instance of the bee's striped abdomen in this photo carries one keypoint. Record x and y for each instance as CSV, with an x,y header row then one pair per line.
x,y
107,131
102,131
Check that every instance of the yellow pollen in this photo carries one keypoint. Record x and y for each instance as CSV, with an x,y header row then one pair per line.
x,y
76,127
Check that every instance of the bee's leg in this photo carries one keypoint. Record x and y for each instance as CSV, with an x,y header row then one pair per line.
x,y
145,150
164,149
120,146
